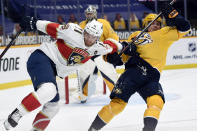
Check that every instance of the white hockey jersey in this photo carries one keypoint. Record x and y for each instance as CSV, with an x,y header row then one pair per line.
x,y
69,50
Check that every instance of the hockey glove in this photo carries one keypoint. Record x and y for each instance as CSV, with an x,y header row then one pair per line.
x,y
173,18
131,50
114,59
169,11
28,23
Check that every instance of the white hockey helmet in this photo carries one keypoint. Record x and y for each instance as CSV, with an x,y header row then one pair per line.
x,y
91,13
94,28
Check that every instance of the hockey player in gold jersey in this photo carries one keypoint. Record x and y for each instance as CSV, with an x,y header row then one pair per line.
x,y
146,59
87,74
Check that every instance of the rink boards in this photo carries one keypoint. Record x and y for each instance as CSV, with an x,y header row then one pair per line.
x,y
13,73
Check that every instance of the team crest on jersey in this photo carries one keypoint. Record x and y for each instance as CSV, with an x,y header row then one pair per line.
x,y
145,38
117,91
77,56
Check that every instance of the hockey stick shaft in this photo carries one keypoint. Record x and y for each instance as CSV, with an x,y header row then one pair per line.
x,y
138,36
10,44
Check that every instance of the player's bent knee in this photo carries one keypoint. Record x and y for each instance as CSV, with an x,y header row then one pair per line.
x,y
155,104
50,109
46,92
155,100
115,107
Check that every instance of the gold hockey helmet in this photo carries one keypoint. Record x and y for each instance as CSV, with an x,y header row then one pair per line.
x,y
150,17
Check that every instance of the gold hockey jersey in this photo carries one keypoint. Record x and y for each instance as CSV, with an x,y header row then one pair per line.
x,y
153,46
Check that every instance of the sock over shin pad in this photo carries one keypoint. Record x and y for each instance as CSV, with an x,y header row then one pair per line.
x,y
30,102
114,108
154,106
41,121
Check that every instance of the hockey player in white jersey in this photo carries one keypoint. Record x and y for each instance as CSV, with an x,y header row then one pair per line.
x,y
73,47
88,73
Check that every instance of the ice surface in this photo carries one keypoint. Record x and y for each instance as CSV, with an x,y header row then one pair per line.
x,y
179,113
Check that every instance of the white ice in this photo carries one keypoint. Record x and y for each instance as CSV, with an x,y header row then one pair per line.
x,y
179,113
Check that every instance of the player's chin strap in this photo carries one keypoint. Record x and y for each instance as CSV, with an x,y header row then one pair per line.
x,y
138,36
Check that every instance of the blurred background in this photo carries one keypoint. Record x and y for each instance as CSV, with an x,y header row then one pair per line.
x,y
130,13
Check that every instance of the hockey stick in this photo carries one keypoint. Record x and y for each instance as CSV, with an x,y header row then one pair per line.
x,y
81,97
11,43
79,89
138,36
14,11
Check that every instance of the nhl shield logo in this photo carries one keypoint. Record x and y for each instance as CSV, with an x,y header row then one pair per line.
x,y
192,47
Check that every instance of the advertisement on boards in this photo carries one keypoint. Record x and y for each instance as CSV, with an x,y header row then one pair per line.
x,y
183,51
13,64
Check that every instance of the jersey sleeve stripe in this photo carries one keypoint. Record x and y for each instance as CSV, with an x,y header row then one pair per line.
x,y
112,44
64,49
51,29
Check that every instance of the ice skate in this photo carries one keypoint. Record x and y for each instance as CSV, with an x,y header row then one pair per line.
x,y
12,121
82,98
92,129
34,129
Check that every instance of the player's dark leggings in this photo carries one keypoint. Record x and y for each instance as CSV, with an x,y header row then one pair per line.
x,y
141,79
41,70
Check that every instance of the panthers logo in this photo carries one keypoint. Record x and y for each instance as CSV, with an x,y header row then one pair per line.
x,y
145,38
75,59
77,56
